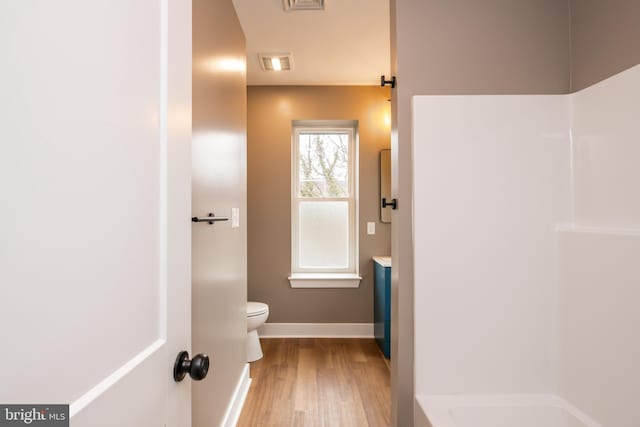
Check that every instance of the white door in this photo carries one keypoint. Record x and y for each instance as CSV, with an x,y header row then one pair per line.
x,y
95,118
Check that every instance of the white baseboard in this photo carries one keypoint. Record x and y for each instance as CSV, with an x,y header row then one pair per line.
x,y
316,330
234,410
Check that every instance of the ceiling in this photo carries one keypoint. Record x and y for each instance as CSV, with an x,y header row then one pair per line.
x,y
345,44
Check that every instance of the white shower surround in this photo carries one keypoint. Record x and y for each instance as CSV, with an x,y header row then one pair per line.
x,y
516,410
508,194
492,180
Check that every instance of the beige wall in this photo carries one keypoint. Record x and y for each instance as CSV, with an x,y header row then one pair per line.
x,y
605,39
219,282
270,112
458,47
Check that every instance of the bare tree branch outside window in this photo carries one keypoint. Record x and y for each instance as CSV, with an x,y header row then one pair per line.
x,y
324,165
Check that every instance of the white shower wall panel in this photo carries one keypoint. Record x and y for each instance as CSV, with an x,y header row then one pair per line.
x,y
599,314
606,135
492,178
598,324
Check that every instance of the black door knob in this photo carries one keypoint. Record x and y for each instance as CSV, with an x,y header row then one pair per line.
x,y
197,368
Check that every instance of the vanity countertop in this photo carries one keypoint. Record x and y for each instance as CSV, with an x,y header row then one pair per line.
x,y
384,261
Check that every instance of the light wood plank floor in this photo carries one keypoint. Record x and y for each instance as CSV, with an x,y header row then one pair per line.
x,y
318,382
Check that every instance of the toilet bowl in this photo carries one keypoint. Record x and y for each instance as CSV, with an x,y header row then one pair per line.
x,y
257,314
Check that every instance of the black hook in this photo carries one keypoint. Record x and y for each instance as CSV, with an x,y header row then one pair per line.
x,y
393,203
391,82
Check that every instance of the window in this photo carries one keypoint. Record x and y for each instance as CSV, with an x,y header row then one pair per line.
x,y
324,209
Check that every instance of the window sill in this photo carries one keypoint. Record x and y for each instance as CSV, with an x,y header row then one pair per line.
x,y
324,280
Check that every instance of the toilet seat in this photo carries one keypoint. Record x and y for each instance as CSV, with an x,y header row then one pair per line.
x,y
256,308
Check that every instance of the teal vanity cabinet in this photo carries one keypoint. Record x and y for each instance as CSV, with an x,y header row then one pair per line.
x,y
382,303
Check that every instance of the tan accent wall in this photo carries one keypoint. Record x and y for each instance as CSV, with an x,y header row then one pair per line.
x,y
605,39
458,47
271,110
218,254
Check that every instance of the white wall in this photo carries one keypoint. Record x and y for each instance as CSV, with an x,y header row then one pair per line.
x,y
599,308
491,181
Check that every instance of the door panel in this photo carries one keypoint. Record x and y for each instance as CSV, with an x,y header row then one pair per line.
x,y
84,161
136,396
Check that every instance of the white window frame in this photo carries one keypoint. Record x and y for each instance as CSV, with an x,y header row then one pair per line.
x,y
325,277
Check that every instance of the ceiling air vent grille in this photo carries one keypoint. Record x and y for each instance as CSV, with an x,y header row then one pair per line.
x,y
303,4
267,60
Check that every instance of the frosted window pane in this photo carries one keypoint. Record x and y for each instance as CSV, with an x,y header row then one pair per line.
x,y
324,234
323,165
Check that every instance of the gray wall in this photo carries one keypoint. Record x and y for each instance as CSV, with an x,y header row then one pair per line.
x,y
219,253
458,47
484,47
270,112
605,39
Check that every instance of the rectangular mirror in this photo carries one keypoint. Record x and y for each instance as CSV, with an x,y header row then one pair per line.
x,y
385,185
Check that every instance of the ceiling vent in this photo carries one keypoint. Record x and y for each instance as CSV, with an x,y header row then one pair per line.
x,y
303,4
276,61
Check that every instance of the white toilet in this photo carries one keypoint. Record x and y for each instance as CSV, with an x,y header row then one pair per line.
x,y
257,314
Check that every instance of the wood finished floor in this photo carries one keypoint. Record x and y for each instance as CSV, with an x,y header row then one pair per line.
x,y
318,382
